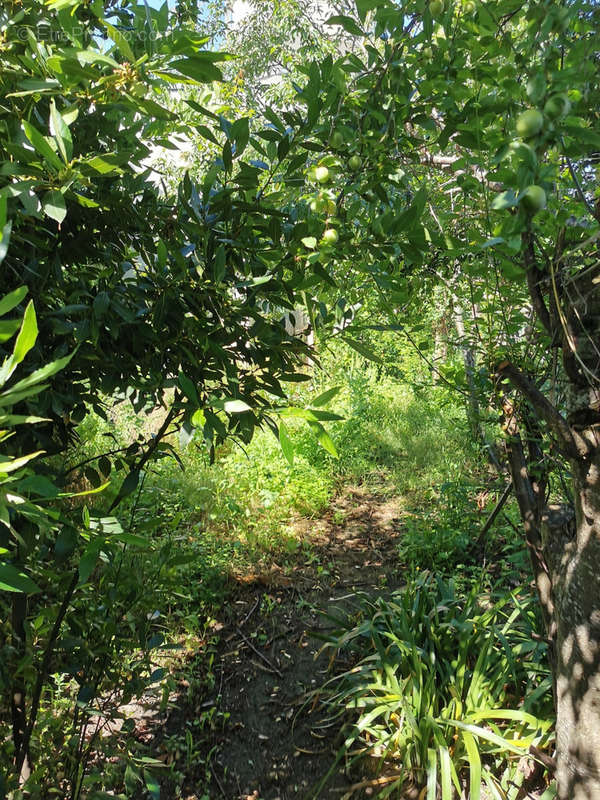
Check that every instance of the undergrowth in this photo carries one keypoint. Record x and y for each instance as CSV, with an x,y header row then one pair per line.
x,y
192,528
449,689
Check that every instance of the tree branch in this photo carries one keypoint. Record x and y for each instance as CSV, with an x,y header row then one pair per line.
x,y
42,673
572,445
533,284
448,163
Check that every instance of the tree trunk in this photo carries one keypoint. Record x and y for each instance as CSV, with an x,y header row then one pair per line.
x,y
578,584
18,698
568,576
577,596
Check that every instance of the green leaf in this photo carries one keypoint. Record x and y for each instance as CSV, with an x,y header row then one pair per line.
x,y
310,242
9,301
53,205
347,23
198,69
87,562
104,164
14,580
323,438
25,341
364,6
65,543
206,133
445,772
474,766
21,419
363,350
61,133
286,443
12,464
240,134
536,87
431,774
41,374
10,398
152,785
325,397
507,199
120,40
42,145
198,418
236,407
4,235
8,328
130,484
40,485
188,388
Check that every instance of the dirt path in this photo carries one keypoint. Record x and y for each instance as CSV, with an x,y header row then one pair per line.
x,y
259,731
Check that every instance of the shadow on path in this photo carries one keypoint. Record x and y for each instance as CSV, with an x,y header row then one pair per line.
x,y
267,736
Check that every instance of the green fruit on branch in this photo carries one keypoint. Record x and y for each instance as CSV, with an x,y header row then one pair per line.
x,y
436,8
337,140
557,106
355,163
322,174
330,236
530,123
320,204
534,198
469,7
428,53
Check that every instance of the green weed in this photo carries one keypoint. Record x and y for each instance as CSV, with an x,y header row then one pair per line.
x,y
448,689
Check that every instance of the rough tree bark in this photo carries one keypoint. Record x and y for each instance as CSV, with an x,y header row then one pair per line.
x,y
565,543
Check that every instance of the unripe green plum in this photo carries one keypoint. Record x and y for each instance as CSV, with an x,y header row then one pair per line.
x,y
469,7
355,163
330,236
320,204
529,123
322,174
557,106
337,140
534,198
428,53
436,8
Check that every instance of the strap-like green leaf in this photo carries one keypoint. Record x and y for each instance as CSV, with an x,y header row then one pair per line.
x,y
14,580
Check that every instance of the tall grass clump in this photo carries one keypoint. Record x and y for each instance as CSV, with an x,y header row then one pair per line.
x,y
447,692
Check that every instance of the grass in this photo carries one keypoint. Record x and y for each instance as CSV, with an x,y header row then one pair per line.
x,y
236,515
206,525
449,689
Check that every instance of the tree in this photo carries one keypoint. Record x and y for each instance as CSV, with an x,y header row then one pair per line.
x,y
136,294
453,149
477,134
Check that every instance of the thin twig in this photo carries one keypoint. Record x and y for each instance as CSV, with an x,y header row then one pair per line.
x,y
249,614
259,654
496,511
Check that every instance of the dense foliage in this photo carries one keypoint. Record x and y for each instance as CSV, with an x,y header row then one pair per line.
x,y
431,173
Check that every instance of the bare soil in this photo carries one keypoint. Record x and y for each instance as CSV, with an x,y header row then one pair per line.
x,y
269,737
